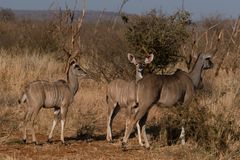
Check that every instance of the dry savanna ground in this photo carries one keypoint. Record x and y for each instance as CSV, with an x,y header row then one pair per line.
x,y
86,122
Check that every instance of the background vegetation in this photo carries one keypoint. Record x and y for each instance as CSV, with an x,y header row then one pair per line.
x,y
33,49
158,34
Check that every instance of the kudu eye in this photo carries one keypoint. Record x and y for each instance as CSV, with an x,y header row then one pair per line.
x,y
76,67
208,60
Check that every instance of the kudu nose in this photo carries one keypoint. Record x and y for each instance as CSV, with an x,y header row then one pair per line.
x,y
141,68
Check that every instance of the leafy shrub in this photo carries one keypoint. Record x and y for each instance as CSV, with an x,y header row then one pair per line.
x,y
158,34
212,132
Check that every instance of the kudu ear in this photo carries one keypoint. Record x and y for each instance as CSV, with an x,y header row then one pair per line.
x,y
72,61
207,56
149,59
204,55
195,56
131,58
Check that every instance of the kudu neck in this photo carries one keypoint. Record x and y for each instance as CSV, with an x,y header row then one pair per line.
x,y
138,75
72,82
196,73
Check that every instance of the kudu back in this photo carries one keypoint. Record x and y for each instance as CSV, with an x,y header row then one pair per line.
x,y
165,90
121,93
44,94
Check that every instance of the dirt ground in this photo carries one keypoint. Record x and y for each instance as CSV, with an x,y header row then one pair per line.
x,y
95,148
92,146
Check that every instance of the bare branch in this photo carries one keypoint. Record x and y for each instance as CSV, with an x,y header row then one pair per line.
x,y
76,35
145,50
119,12
206,39
98,21
231,40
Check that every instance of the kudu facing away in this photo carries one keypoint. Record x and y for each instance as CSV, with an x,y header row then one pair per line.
x,y
166,90
58,95
121,93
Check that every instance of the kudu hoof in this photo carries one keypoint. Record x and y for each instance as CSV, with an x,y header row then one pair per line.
x,y
35,143
147,147
24,141
183,142
141,144
64,143
49,141
124,146
109,140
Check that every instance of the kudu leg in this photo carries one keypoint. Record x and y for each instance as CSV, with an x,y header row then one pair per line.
x,y
135,116
182,135
56,119
128,115
134,109
112,112
139,134
27,118
130,123
142,123
33,117
139,131
187,101
64,111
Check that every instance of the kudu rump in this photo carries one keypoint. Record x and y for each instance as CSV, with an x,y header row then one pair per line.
x,y
58,95
121,93
165,90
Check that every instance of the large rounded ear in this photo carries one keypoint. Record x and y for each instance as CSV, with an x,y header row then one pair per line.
x,y
207,56
72,61
149,59
131,58
196,55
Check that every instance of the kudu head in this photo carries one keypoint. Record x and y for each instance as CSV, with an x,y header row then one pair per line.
x,y
76,70
140,64
203,62
206,61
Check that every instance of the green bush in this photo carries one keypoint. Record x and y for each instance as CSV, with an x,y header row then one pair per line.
x,y
158,34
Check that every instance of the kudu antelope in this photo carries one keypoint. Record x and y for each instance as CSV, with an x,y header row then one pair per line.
x,y
121,93
165,90
58,95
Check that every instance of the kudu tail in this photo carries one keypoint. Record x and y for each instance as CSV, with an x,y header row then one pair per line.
x,y
107,98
